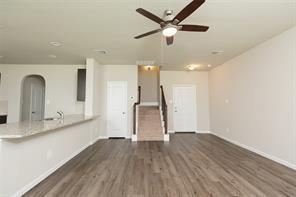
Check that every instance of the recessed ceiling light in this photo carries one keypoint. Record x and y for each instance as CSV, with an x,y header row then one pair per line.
x,y
192,66
209,65
216,52
102,51
56,44
52,56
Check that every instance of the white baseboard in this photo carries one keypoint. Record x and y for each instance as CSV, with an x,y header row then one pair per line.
x,y
43,176
103,137
263,154
198,131
166,138
202,131
149,104
134,138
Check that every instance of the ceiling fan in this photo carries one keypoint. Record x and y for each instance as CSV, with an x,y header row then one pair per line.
x,y
170,24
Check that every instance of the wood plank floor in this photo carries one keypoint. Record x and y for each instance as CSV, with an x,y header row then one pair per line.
x,y
190,165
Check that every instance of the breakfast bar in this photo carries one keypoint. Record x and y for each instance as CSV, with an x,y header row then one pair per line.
x,y
31,151
25,129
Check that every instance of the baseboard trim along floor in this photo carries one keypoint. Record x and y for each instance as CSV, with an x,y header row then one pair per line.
x,y
254,150
35,182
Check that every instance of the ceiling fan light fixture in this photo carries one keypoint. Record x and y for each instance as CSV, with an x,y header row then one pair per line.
x,y
169,31
192,67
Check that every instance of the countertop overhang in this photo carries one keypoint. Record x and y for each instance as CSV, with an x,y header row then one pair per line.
x,y
24,129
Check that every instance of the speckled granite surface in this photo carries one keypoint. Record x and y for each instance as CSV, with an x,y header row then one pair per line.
x,y
25,129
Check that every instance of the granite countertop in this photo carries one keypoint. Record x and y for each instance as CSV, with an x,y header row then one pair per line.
x,y
19,130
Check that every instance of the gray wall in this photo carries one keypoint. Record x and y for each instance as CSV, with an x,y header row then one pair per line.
x,y
253,99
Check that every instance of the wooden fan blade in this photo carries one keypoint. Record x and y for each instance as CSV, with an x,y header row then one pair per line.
x,y
148,33
198,28
150,15
189,9
170,40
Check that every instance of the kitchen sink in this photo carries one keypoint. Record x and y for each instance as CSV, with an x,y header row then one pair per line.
x,y
50,119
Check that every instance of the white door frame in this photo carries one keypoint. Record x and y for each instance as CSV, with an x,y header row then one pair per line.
x,y
28,96
194,104
109,103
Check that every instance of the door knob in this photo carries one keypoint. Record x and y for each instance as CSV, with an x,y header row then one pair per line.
x,y
123,113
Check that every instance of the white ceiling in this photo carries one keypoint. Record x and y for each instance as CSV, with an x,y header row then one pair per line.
x,y
27,27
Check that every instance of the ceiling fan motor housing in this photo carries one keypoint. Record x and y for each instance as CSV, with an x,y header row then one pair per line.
x,y
168,15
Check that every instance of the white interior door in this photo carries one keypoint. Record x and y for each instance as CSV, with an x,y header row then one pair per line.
x,y
117,108
37,105
184,108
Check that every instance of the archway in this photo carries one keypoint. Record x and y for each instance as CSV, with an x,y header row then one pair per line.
x,y
32,98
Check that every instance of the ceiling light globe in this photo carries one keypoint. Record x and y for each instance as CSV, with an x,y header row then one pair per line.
x,y
170,31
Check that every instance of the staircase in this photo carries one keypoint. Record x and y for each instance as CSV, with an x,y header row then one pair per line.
x,y
149,124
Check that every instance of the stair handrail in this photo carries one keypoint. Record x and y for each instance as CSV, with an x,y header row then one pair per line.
x,y
135,110
164,109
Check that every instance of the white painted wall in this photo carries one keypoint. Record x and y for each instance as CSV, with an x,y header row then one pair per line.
x,y
61,86
94,93
127,73
89,87
260,86
200,80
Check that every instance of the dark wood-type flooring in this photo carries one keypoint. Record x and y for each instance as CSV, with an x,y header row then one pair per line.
x,y
189,165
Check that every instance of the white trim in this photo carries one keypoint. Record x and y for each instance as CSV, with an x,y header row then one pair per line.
x,y
171,131
137,119
43,176
103,137
202,131
263,154
149,104
134,138
166,138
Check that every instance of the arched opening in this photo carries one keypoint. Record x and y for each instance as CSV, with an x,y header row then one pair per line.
x,y
32,98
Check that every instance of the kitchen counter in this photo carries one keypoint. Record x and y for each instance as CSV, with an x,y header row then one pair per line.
x,y
25,161
24,129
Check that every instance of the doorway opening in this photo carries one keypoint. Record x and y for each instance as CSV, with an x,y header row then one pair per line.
x,y
32,98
